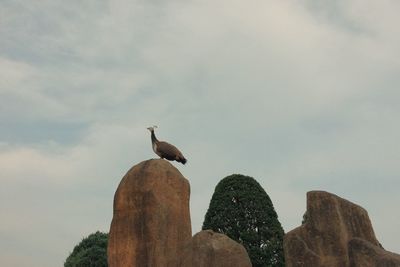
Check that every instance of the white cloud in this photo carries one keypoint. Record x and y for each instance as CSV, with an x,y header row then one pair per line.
x,y
298,97
52,196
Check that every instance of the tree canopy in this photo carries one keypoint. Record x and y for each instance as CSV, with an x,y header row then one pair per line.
x,y
90,252
241,209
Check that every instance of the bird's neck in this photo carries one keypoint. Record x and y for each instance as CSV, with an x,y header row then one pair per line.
x,y
153,137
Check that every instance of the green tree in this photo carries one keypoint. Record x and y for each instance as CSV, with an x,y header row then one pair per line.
x,y
90,252
241,209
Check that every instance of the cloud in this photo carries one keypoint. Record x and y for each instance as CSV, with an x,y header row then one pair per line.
x,y
52,196
299,95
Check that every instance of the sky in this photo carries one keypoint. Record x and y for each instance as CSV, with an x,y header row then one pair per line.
x,y
301,95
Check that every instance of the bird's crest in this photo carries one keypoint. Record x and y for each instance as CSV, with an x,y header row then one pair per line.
x,y
151,128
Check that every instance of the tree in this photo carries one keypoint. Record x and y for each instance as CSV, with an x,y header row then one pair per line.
x,y
241,209
90,252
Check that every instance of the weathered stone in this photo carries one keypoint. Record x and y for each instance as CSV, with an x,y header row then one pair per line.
x,y
151,220
331,222
364,254
209,249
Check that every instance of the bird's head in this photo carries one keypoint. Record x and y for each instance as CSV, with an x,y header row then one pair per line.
x,y
151,128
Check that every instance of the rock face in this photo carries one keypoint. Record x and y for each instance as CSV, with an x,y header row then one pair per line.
x,y
323,240
151,220
209,249
364,254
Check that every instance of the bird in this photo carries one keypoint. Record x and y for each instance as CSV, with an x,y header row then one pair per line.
x,y
165,150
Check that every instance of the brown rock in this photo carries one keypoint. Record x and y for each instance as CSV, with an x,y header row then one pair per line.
x,y
323,239
364,254
209,249
151,221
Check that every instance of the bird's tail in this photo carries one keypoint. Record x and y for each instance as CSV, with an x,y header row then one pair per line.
x,y
182,160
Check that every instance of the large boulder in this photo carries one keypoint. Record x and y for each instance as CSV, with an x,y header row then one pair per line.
x,y
364,254
330,223
209,249
151,220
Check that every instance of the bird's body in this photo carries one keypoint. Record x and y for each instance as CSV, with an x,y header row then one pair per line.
x,y
165,150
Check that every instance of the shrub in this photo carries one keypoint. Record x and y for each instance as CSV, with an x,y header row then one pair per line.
x,y
241,209
90,252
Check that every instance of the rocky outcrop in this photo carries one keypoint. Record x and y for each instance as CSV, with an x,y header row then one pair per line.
x,y
208,249
151,220
323,240
364,254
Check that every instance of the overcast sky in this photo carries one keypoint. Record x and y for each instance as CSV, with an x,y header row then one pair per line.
x,y
301,95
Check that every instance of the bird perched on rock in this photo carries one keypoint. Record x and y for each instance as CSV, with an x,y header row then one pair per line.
x,y
164,149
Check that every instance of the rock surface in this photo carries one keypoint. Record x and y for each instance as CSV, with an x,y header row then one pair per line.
x,y
209,249
151,220
331,222
364,254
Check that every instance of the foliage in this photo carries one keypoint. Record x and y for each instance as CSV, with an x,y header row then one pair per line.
x,y
305,218
90,252
241,209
